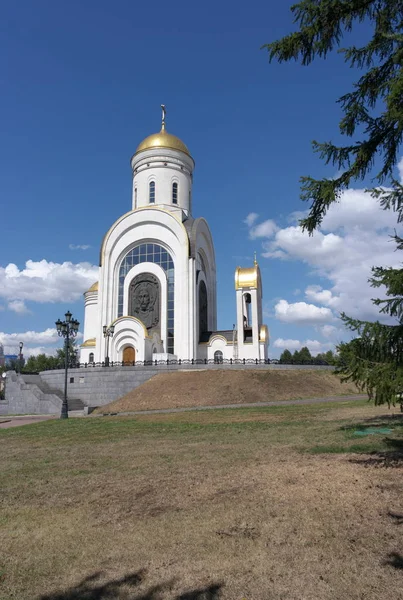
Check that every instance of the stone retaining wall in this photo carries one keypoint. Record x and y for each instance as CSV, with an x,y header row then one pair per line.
x,y
96,386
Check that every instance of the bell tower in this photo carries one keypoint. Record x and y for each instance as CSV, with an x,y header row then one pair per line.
x,y
252,336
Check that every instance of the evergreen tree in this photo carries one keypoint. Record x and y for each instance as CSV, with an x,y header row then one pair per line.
x,y
73,354
286,357
305,357
372,112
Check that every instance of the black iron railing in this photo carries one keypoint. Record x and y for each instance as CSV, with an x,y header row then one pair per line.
x,y
193,361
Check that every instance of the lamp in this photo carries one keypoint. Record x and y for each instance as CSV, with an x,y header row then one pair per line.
x,y
67,329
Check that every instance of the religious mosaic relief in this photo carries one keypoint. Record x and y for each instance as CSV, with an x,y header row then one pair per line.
x,y
145,300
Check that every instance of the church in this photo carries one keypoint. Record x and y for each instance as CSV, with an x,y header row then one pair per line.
x,y
156,297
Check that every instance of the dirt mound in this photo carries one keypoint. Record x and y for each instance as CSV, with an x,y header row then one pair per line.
x,y
211,387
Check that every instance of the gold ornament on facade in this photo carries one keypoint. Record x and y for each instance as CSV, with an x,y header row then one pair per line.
x,y
93,288
90,343
264,334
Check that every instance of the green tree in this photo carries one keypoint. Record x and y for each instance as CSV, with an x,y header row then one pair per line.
x,y
330,357
41,362
372,110
296,360
373,113
73,354
286,357
305,356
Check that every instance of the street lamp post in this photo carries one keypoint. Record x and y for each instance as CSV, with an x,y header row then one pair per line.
x,y
20,357
108,333
67,329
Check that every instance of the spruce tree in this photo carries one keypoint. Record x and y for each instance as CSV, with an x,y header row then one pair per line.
x,y
373,113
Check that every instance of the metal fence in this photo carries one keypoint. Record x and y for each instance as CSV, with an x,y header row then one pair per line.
x,y
184,362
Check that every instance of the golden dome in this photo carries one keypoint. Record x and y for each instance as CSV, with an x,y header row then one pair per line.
x,y
163,139
247,278
93,288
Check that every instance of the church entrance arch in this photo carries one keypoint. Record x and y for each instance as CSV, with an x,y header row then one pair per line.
x,y
129,355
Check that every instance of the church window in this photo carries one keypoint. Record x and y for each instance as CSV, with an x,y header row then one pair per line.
x,y
152,192
158,255
135,197
175,193
218,357
91,358
203,308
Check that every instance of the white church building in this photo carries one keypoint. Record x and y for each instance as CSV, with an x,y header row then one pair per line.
x,y
155,298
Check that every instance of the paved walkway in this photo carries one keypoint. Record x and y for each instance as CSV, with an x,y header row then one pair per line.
x,y
6,422
243,405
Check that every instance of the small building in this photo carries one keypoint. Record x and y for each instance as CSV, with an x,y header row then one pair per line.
x,y
156,293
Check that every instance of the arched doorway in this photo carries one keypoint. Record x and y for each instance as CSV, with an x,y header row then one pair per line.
x,y
129,355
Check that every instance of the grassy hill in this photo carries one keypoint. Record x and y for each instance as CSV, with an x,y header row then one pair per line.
x,y
215,387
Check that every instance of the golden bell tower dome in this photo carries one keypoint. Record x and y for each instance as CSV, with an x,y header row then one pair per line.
x,y
163,139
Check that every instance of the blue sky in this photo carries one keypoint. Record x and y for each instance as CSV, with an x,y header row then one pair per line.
x,y
81,85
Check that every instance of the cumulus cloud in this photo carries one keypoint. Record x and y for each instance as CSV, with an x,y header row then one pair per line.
x,y
302,313
330,331
79,246
354,237
265,229
45,281
314,346
19,307
35,342
317,294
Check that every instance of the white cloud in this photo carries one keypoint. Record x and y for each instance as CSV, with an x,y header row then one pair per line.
x,y
302,313
330,332
314,346
287,344
317,294
354,237
19,307
79,246
45,281
29,351
35,342
251,218
265,229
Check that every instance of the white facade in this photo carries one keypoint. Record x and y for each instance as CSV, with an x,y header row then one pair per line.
x,y
156,292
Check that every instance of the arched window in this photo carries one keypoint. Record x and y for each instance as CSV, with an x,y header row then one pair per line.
x,y
248,315
203,308
135,197
151,195
218,357
91,357
156,254
174,193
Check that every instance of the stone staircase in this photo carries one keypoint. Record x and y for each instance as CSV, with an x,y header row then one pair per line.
x,y
73,403
29,394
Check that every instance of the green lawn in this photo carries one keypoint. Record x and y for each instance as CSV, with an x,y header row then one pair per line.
x,y
254,503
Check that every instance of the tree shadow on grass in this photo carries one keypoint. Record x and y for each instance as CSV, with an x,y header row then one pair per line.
x,y
392,455
126,588
395,560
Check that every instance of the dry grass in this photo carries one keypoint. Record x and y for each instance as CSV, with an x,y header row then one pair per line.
x,y
230,503
211,387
